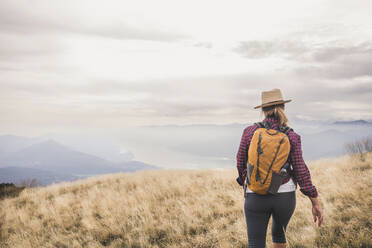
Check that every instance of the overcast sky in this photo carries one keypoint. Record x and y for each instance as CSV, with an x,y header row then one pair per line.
x,y
111,64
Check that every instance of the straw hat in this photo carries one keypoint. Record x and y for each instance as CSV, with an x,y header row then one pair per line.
x,y
272,97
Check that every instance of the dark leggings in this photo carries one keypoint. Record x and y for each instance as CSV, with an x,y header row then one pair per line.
x,y
259,208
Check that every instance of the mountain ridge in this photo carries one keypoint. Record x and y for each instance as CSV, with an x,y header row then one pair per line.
x,y
54,160
354,122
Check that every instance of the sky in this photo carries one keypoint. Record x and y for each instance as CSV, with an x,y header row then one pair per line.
x,y
87,65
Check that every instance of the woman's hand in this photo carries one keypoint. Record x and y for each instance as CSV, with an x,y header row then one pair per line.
x,y
318,214
317,211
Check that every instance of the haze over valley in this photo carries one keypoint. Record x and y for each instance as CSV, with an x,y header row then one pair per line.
x,y
55,158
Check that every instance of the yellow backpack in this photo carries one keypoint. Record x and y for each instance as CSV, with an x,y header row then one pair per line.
x,y
267,159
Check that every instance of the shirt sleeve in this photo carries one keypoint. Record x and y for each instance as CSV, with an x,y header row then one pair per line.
x,y
300,170
242,155
241,158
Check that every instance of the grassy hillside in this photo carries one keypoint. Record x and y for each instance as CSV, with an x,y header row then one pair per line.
x,y
183,209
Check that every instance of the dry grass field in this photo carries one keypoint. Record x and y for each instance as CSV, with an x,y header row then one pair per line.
x,y
184,209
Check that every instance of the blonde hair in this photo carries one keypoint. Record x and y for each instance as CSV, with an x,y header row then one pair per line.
x,y
277,112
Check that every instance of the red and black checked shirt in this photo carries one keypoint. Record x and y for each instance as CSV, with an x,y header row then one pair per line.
x,y
300,171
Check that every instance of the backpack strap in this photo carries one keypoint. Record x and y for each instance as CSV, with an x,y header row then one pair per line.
x,y
267,125
260,124
288,164
285,130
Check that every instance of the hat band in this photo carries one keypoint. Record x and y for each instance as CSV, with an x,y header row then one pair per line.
x,y
267,104
277,101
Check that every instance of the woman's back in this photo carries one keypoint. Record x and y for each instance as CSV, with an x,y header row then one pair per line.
x,y
299,172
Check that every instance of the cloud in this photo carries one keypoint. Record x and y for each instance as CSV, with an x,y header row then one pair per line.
x,y
257,49
215,99
339,62
204,44
25,48
72,17
336,71
341,52
302,51
76,64
320,60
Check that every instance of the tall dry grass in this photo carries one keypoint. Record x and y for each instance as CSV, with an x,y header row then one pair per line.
x,y
183,209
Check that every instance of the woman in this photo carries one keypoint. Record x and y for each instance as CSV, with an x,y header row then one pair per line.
x,y
257,207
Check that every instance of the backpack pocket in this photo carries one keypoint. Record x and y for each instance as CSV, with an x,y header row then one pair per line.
x,y
276,181
250,170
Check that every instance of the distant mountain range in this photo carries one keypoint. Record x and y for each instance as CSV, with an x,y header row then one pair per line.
x,y
217,145
356,122
49,161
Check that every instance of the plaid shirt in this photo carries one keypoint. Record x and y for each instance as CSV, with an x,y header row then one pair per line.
x,y
300,172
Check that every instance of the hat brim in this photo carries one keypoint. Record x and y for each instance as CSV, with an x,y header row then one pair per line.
x,y
272,103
